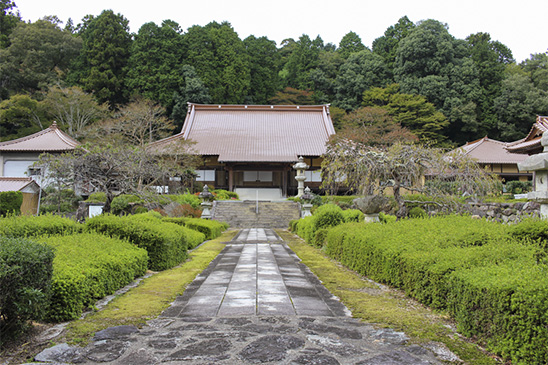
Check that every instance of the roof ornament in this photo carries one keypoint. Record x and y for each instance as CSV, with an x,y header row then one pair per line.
x,y
53,125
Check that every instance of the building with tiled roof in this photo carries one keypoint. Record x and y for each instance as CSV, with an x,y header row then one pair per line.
x,y
530,145
255,146
18,155
495,156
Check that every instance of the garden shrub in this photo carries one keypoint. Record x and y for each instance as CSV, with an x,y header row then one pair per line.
x,y
417,212
293,225
191,199
26,269
476,270
165,242
194,238
221,194
328,215
518,187
89,266
97,197
31,226
387,218
353,215
210,228
121,203
10,202
320,236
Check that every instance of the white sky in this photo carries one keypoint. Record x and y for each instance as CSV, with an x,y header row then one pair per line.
x,y
520,25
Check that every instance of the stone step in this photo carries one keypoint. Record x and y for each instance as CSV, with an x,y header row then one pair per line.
x,y
243,214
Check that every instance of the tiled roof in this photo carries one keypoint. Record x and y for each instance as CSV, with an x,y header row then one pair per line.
x,y
15,183
531,143
490,151
51,139
256,133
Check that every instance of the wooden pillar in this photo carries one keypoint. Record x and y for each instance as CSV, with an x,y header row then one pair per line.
x,y
230,178
284,181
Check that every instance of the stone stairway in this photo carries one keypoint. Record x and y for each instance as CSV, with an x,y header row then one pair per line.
x,y
243,214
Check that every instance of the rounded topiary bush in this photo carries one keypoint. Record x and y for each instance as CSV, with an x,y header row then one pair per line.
x,y
328,215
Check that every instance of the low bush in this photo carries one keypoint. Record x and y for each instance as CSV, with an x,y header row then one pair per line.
x,y
98,197
123,203
221,194
320,236
353,215
165,242
518,187
191,199
344,201
87,267
210,228
417,212
387,218
328,215
31,226
26,269
479,271
10,202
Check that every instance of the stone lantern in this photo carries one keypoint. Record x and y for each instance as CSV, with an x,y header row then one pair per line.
x,y
307,202
206,197
300,167
539,164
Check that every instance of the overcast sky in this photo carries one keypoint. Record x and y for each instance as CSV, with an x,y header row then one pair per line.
x,y
520,25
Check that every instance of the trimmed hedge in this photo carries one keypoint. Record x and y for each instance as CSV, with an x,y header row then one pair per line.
x,y
26,269
89,266
166,243
353,215
326,216
31,226
488,280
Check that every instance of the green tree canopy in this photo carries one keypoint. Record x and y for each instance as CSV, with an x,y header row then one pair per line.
x,y
517,106
432,63
221,61
191,91
490,59
154,64
263,69
537,67
413,112
20,116
8,21
360,72
386,46
302,60
40,53
102,66
350,43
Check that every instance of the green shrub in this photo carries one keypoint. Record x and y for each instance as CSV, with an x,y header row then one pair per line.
x,y
387,218
476,270
26,268
320,236
518,187
121,203
194,238
293,225
87,267
210,228
98,197
221,194
353,215
191,199
306,228
417,212
165,242
328,215
31,226
10,202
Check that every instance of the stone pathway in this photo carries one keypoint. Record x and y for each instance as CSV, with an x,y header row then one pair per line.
x,y
255,303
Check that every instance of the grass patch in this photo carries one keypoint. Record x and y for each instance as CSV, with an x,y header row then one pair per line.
x,y
383,306
150,298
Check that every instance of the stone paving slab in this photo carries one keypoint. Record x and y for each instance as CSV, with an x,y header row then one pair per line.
x,y
255,303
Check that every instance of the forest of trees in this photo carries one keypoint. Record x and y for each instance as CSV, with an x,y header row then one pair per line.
x,y
416,77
